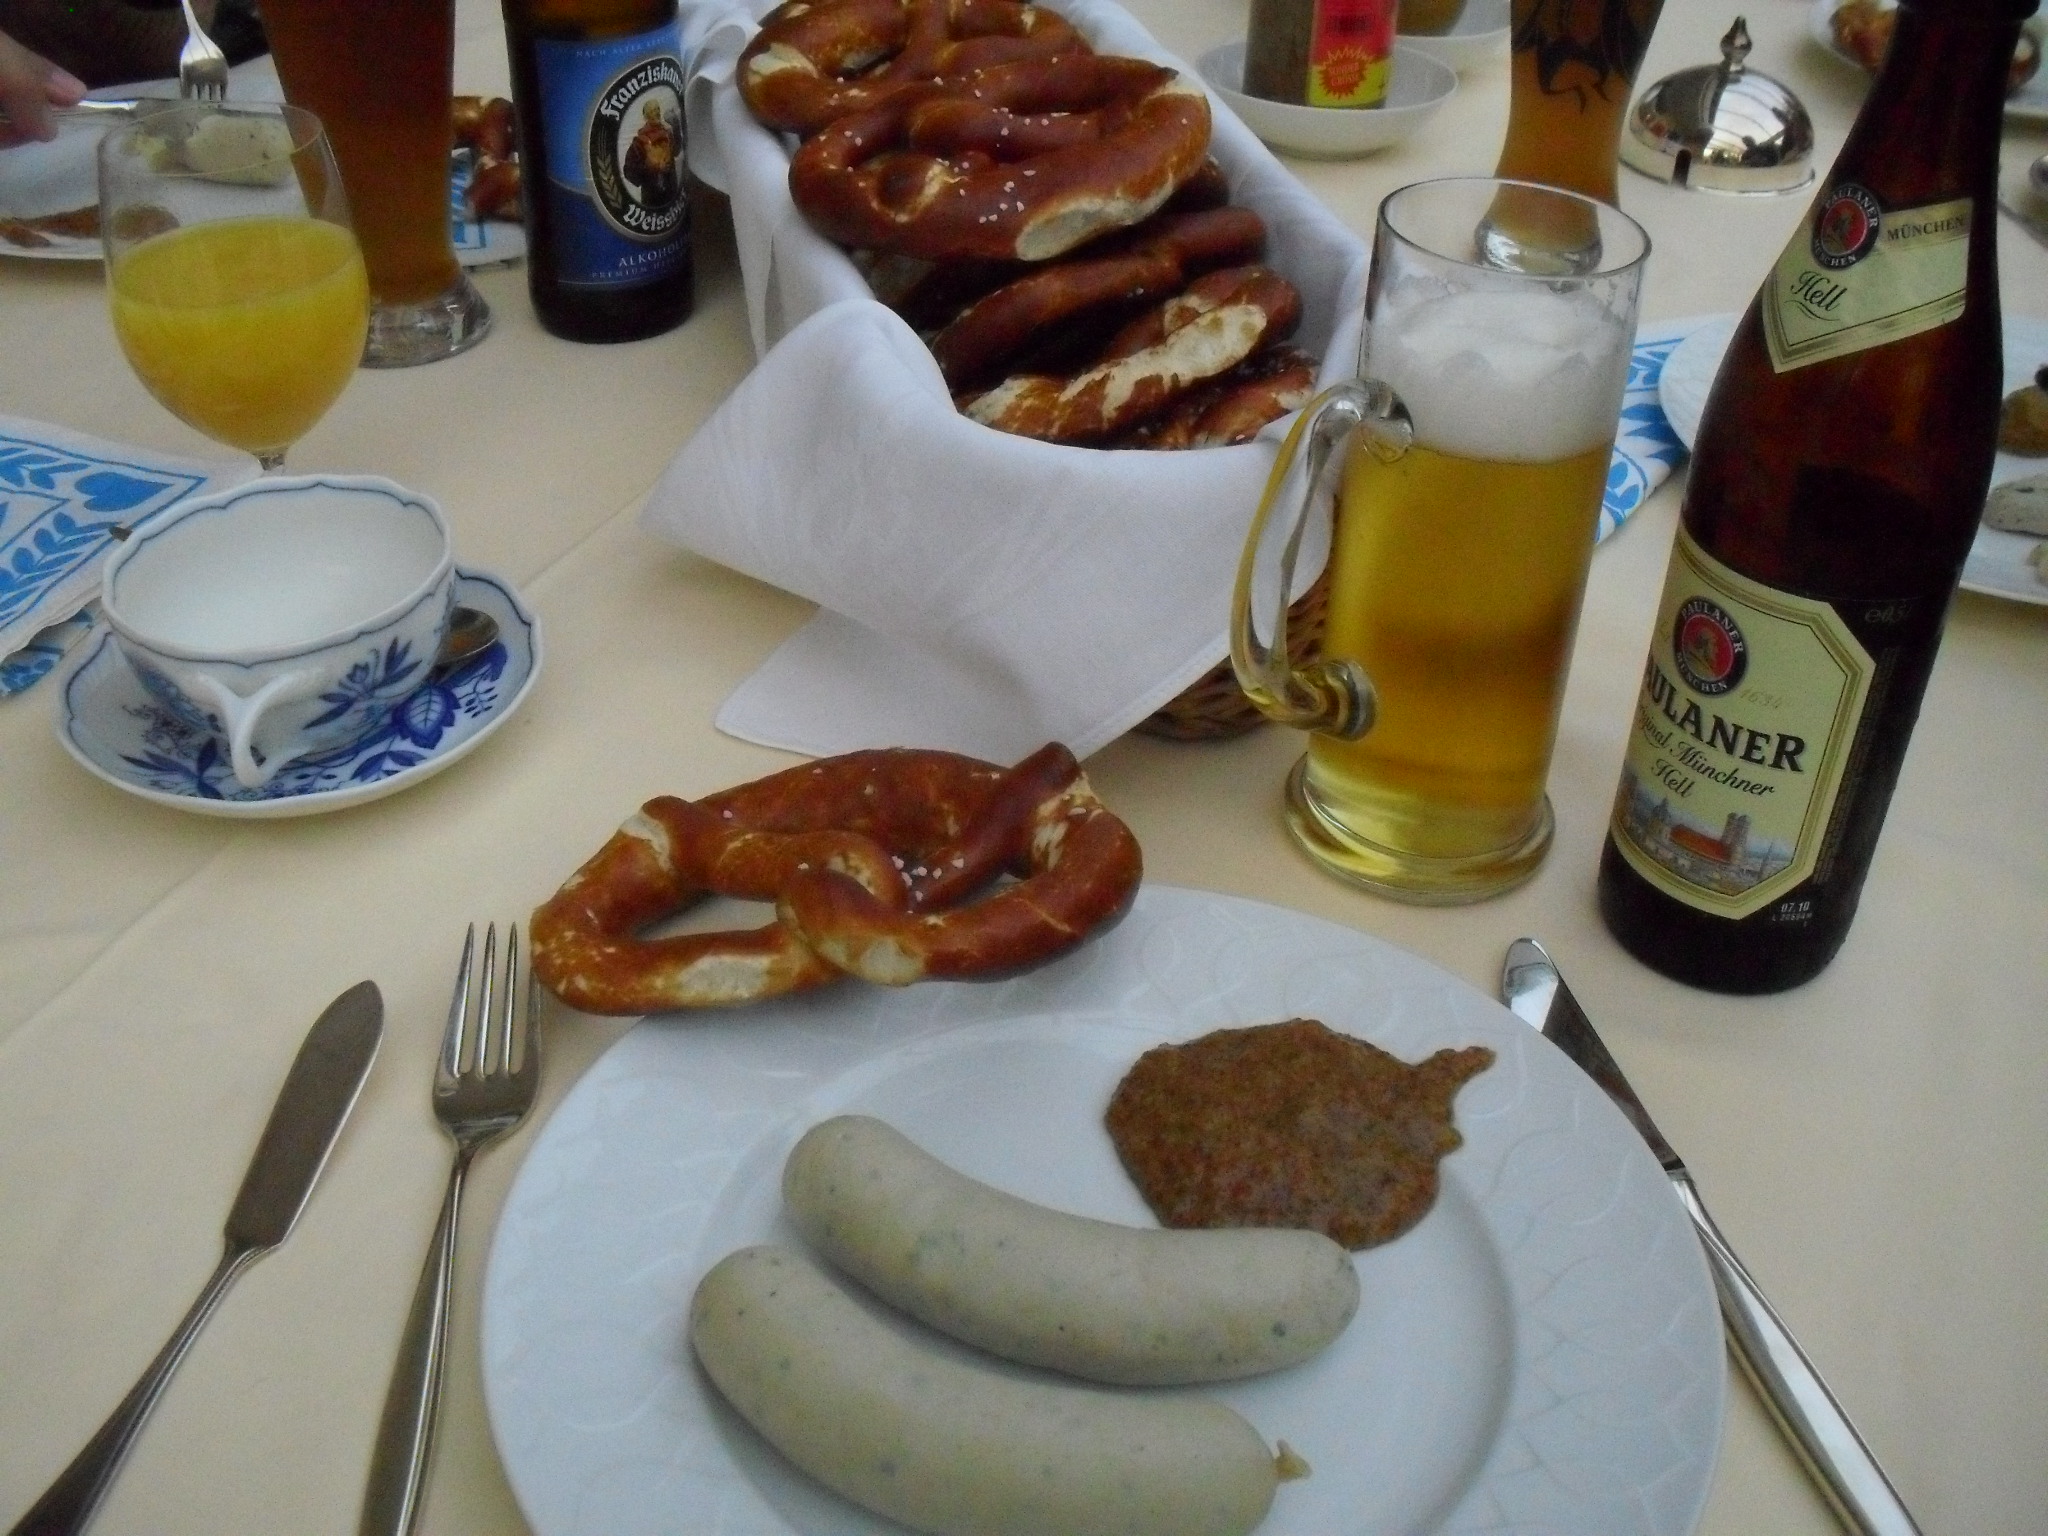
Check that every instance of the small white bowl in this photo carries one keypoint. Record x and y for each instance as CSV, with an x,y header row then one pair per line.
x,y
1480,37
1419,85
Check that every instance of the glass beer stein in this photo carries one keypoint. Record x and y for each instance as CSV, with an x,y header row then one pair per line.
x,y
1467,462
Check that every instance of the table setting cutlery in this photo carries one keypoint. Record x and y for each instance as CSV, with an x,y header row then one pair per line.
x,y
325,1079
1827,1443
485,1080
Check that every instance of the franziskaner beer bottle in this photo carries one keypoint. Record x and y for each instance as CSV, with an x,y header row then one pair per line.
x,y
1838,479
598,86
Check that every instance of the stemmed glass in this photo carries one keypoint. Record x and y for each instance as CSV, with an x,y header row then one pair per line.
x,y
237,287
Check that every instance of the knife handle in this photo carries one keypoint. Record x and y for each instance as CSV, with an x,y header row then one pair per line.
x,y
68,1504
1861,1496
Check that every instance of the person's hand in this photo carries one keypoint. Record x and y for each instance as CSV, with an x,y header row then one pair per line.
x,y
30,86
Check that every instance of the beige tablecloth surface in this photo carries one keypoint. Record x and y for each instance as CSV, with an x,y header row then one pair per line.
x,y
1873,1143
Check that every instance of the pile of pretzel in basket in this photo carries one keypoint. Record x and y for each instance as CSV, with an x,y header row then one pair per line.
x,y
1046,217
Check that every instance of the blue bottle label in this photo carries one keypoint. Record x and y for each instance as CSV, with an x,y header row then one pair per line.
x,y
615,143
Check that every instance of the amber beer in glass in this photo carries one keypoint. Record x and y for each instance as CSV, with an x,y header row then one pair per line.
x,y
1571,70
380,75
1469,460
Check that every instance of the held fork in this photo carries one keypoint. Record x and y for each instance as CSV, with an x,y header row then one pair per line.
x,y
202,67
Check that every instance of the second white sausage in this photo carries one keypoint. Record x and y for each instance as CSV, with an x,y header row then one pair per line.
x,y
1133,1306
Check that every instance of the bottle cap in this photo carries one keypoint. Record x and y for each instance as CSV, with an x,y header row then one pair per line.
x,y
1721,127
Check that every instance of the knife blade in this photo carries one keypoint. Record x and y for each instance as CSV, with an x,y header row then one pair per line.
x,y
1834,1454
325,1079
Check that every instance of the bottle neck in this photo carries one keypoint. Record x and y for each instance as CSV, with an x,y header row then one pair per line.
x,y
1930,126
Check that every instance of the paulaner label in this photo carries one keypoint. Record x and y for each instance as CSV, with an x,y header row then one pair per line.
x,y
1862,275
1749,706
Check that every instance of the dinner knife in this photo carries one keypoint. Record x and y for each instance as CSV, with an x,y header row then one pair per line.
x,y
1840,1463
311,1108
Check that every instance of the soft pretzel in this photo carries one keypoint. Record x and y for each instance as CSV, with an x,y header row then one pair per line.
x,y
1105,141
812,62
1155,259
871,859
1218,322
1232,407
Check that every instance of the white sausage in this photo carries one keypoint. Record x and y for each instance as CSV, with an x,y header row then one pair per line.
x,y
1130,1305
945,1446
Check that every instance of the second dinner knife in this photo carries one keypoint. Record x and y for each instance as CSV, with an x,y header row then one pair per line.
x,y
1841,1464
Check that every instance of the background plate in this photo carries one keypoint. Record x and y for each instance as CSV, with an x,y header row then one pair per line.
x,y
2029,104
1480,37
1542,1353
1997,564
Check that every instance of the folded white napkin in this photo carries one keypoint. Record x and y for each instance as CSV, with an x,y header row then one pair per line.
x,y
979,592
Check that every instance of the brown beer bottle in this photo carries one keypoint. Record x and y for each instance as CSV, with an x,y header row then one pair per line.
x,y
598,85
1837,482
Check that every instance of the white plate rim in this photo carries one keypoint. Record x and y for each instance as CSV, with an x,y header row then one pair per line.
x,y
1474,41
2030,105
471,583
1997,562
719,1114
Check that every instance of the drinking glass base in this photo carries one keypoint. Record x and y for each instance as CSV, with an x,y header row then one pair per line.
x,y
1562,256
405,335
1418,879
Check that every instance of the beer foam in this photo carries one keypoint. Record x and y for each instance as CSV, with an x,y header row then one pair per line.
x,y
1529,376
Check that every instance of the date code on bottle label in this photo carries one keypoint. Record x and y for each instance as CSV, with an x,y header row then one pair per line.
x,y
1748,710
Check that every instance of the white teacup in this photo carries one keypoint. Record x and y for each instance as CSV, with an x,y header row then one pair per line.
x,y
286,616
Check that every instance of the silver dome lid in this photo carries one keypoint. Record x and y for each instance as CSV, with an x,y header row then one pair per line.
x,y
1721,127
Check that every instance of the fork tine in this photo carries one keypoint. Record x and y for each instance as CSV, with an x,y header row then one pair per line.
x,y
527,1034
486,1007
458,1009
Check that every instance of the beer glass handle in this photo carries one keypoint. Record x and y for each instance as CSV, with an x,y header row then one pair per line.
x,y
1332,695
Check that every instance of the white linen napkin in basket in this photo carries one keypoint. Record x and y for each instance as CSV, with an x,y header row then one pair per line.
x,y
978,591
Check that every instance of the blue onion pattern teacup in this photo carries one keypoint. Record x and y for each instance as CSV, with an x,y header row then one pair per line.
x,y
288,615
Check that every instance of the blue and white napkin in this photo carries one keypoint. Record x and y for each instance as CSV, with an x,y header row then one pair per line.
x,y
1646,450
63,495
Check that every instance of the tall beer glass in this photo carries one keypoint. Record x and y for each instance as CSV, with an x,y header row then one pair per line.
x,y
1468,462
1571,69
380,75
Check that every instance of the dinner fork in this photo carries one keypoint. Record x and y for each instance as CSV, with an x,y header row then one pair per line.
x,y
484,1083
202,67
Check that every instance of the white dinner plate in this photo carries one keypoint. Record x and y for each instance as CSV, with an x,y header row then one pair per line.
x,y
109,723
1541,1353
2029,104
1997,565
41,179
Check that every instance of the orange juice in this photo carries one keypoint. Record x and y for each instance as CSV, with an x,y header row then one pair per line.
x,y
246,329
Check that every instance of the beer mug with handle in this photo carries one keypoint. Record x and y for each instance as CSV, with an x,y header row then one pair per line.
x,y
1467,464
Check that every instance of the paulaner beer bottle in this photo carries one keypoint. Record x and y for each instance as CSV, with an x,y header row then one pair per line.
x,y
1838,479
598,85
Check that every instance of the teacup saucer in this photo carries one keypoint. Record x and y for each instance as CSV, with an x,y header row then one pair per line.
x,y
116,731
